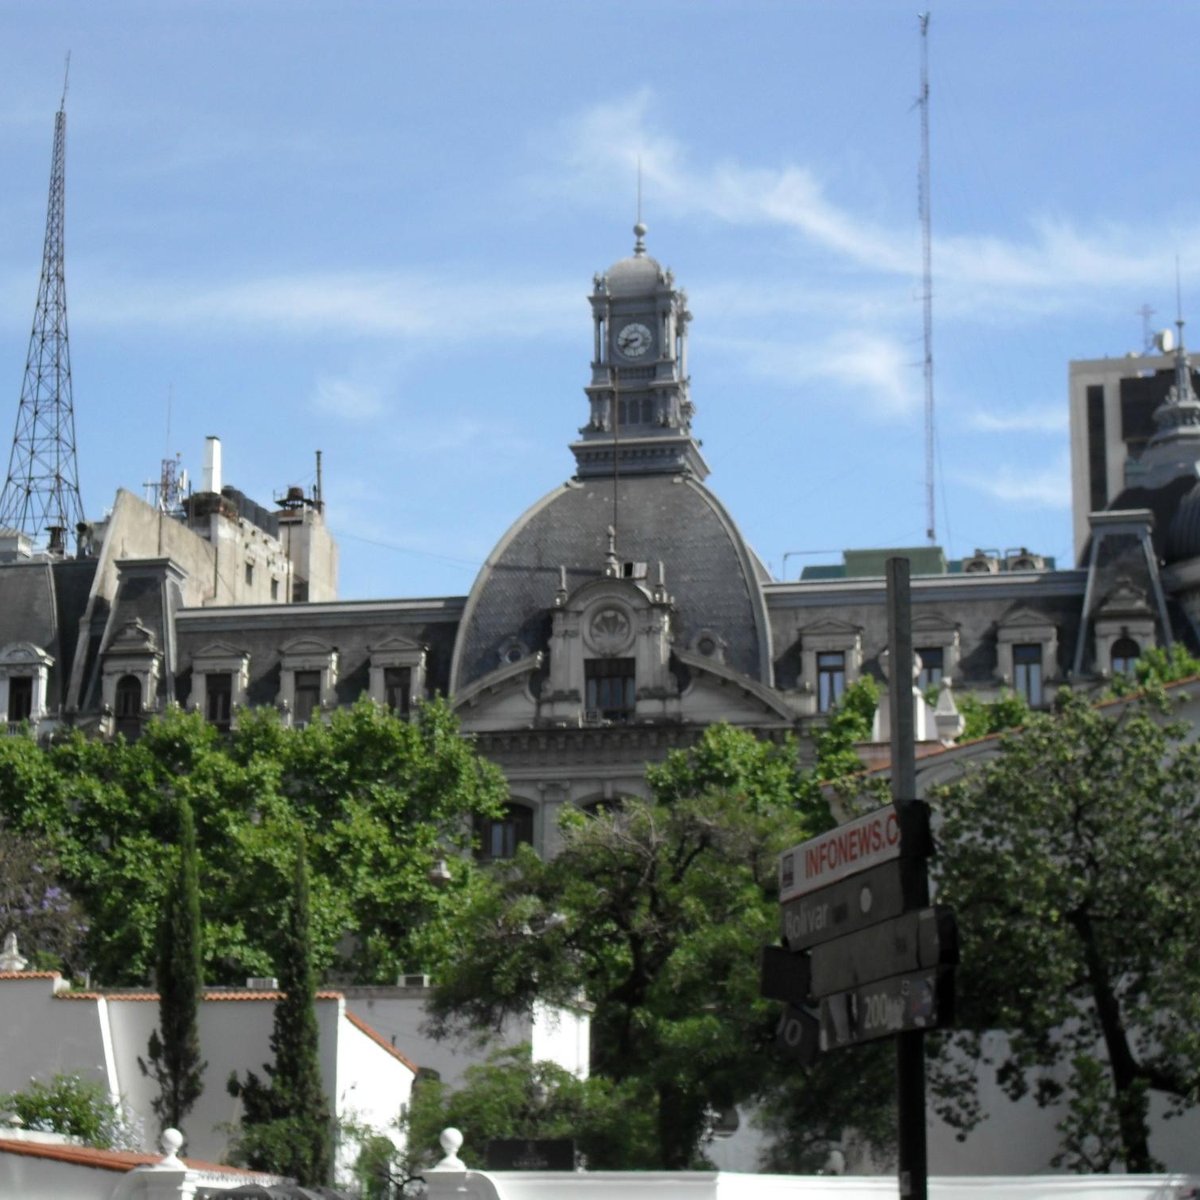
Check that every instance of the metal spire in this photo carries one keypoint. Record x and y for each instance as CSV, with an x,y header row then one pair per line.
x,y
927,280
41,493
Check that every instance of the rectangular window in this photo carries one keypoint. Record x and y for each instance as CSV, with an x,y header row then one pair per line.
x,y
307,693
397,688
274,589
1097,449
20,698
218,700
1027,673
249,574
931,666
831,678
500,838
611,688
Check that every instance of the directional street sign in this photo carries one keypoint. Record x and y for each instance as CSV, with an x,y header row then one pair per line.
x,y
921,1000
864,899
875,838
926,937
798,1035
785,976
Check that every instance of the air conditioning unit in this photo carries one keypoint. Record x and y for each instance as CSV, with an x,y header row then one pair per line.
x,y
591,716
1023,560
263,983
982,562
415,981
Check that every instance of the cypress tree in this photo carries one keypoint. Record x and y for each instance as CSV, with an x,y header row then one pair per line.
x,y
286,1124
174,1048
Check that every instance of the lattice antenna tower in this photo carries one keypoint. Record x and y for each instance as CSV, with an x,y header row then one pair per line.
x,y
41,493
927,279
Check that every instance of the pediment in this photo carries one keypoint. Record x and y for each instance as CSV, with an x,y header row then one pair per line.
x,y
24,654
1125,600
935,623
1025,618
134,638
221,650
305,647
830,626
396,644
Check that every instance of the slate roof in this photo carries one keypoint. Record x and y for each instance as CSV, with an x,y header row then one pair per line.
x,y
710,571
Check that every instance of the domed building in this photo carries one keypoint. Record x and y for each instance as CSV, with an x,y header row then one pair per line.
x,y
620,615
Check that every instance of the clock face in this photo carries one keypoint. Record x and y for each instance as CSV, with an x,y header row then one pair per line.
x,y
634,340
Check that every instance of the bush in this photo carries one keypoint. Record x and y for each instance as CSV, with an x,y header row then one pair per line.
x,y
75,1107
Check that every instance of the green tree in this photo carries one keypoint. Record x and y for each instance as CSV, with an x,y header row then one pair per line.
x,y
982,718
1157,666
73,1106
174,1048
656,914
287,1127
379,799
1071,861
510,1096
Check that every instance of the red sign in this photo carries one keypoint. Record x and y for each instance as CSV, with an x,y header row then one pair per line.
x,y
846,850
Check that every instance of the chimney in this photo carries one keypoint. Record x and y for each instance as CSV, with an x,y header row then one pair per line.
x,y
212,464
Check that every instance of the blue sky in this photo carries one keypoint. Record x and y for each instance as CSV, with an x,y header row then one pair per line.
x,y
370,229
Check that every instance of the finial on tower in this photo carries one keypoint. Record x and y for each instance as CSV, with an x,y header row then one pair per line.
x,y
610,559
639,247
62,104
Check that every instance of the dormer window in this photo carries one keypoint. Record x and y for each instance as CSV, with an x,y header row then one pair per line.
x,y
307,696
20,698
611,686
831,679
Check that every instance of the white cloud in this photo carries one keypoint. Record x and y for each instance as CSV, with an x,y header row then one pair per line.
x,y
1054,262
877,370
1049,487
380,304
347,399
1030,420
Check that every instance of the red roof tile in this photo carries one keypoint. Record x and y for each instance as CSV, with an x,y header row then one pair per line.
x,y
380,1040
107,1160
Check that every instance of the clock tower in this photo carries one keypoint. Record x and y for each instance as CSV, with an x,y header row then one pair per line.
x,y
640,420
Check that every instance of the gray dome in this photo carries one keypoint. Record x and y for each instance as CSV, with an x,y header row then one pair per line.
x,y
1183,533
634,276
709,570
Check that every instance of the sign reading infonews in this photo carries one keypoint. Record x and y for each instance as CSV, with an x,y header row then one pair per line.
x,y
865,842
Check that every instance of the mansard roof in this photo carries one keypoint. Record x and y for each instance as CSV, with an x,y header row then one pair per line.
x,y
714,577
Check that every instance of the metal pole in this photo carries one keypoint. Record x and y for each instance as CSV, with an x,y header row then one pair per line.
x,y
910,1047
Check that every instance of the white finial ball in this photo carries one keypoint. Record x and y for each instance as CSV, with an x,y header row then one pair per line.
x,y
640,229
451,1140
172,1142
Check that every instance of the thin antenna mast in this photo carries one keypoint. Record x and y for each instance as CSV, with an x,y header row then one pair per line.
x,y
927,279
41,491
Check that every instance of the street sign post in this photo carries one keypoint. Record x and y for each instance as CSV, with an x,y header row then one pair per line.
x,y
925,937
854,903
919,1001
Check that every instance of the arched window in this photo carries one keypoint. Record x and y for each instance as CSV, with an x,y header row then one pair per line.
x,y
499,837
127,705
1125,653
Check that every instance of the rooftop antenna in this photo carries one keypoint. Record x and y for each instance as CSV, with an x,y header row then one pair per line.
x,y
927,278
1148,344
41,491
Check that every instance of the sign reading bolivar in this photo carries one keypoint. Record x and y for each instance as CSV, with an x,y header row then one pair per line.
x,y
865,842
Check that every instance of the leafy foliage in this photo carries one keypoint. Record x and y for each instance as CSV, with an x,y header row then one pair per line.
x,y
287,1127
75,1107
1157,666
654,913
1071,861
982,718
34,904
512,1097
174,1056
379,799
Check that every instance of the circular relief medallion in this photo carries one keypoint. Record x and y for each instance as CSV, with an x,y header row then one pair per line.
x,y
609,631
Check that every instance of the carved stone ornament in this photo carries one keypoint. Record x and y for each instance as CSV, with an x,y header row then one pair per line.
x,y
609,631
